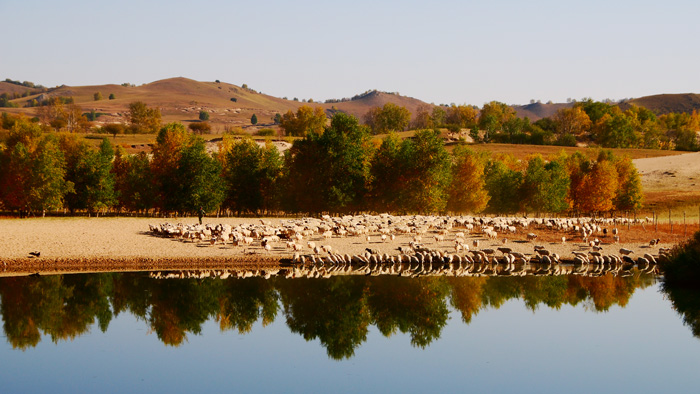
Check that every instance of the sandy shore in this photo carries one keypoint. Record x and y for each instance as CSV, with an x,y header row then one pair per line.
x,y
101,244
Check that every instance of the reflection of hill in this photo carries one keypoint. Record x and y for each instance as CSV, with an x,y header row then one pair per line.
x,y
336,311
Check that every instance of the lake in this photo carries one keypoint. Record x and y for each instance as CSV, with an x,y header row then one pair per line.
x,y
133,332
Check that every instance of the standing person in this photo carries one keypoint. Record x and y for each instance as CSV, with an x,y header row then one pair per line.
x,y
200,213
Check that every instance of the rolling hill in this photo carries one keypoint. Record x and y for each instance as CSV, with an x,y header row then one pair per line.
x,y
181,99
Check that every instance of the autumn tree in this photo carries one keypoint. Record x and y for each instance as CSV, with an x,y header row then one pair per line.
x,y
573,121
306,120
200,127
467,191
97,96
594,184
143,119
390,117
615,130
462,116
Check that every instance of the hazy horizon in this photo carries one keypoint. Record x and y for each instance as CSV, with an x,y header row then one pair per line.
x,y
441,52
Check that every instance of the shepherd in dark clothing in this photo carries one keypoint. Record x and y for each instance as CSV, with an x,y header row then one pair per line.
x,y
200,213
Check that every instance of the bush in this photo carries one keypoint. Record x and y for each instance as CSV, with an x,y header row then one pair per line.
x,y
200,127
97,96
566,140
111,96
254,119
203,115
267,132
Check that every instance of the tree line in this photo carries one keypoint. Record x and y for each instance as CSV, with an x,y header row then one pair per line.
x,y
587,122
337,168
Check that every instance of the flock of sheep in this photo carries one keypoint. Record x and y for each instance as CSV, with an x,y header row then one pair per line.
x,y
425,245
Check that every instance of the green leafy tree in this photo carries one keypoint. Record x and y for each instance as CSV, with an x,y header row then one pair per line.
x,y
252,175
112,96
253,120
545,186
503,185
330,171
32,170
198,176
390,117
90,171
427,171
629,194
203,115
387,175
134,182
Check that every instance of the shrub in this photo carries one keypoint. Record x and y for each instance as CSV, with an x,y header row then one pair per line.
x,y
253,119
97,96
234,99
111,96
203,115
200,127
267,132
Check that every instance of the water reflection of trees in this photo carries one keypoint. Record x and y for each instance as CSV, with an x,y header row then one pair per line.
x,y
336,311
686,301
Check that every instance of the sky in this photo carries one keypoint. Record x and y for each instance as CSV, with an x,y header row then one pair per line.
x,y
462,52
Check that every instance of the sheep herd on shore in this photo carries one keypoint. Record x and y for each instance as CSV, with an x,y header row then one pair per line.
x,y
409,243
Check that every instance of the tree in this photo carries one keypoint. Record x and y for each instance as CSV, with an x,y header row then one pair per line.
x,y
186,177
134,183
90,172
330,171
462,116
545,186
97,96
306,120
144,119
422,119
112,96
387,175
467,192
390,117
503,185
438,116
616,131
203,115
252,175
594,184
426,167
32,170
113,128
493,116
278,118
574,121
629,194
253,120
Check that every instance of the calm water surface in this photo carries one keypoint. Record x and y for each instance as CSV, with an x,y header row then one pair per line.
x,y
129,332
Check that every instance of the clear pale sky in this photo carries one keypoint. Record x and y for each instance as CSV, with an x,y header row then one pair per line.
x,y
464,52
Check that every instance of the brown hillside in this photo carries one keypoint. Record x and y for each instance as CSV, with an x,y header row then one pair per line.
x,y
360,106
665,103
537,111
10,88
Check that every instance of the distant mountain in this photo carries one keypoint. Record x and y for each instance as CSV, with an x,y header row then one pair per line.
x,y
665,103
